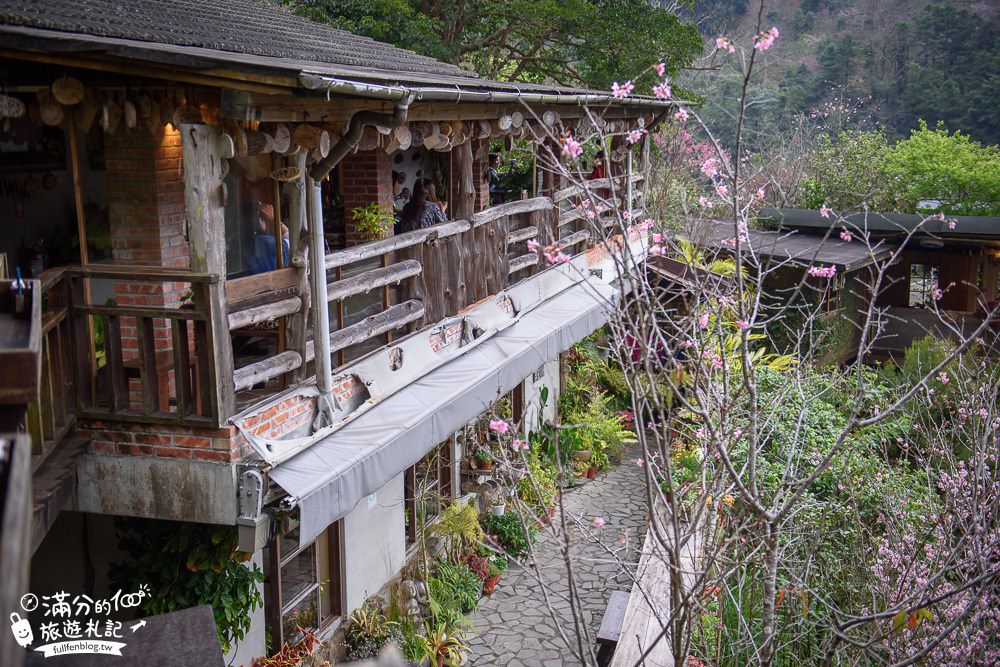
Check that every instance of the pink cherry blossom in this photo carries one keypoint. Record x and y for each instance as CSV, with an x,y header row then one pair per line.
x,y
952,224
663,90
634,136
657,237
598,521
725,44
824,211
661,68
639,463
742,325
765,40
704,201
760,193
622,91
938,294
681,115
657,250
572,147
721,189
532,245
845,236
823,271
703,320
499,425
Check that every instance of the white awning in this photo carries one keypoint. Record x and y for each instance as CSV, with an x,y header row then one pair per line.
x,y
328,479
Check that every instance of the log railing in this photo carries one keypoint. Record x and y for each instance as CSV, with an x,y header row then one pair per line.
x,y
146,363
577,201
51,417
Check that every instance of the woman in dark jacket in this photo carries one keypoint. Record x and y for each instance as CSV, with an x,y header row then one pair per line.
x,y
421,211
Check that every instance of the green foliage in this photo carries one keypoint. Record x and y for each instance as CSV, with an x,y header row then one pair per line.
x,y
848,172
186,565
458,525
445,646
373,221
538,488
497,564
368,631
933,164
514,532
454,591
587,42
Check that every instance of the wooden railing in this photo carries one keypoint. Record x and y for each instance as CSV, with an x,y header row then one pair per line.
x,y
601,196
146,363
51,417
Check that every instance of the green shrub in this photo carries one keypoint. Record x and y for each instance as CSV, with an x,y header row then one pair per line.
x,y
454,587
368,631
514,532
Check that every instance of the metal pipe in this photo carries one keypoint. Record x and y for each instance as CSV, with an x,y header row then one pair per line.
x,y
457,94
317,259
320,307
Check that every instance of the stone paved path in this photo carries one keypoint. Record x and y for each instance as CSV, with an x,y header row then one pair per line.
x,y
514,626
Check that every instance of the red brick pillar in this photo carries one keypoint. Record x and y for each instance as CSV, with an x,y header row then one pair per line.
x,y
146,208
480,163
367,179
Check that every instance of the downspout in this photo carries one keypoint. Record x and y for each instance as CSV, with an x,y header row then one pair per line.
x,y
317,276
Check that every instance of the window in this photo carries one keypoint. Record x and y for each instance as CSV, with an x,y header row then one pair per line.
x,y
923,282
830,297
251,246
303,587
428,489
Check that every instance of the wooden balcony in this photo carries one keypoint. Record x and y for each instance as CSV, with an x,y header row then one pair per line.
x,y
173,363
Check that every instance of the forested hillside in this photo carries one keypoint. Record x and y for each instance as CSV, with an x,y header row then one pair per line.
x,y
848,64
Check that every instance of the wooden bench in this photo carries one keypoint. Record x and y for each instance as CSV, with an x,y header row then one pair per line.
x,y
611,627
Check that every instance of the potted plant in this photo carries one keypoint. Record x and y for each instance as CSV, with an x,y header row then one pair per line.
x,y
598,461
484,458
496,567
498,507
444,646
373,221
582,455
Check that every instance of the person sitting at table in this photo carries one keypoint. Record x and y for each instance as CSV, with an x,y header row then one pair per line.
x,y
422,210
262,256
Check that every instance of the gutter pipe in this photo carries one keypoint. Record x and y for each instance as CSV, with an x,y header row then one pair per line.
x,y
317,273
457,94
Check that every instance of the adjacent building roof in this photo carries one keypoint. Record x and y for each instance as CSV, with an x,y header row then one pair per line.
x,y
966,226
794,247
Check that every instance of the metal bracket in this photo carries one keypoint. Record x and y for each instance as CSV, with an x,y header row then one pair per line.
x,y
251,495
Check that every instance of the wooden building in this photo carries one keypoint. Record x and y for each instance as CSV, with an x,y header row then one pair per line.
x,y
188,182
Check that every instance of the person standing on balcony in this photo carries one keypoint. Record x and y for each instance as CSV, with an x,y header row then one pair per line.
x,y
493,178
422,210
599,170
263,254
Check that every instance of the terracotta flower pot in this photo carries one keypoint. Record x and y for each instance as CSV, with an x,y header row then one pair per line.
x,y
485,465
490,584
591,473
552,512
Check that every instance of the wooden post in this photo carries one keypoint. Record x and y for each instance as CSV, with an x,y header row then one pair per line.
x,y
298,323
206,224
466,274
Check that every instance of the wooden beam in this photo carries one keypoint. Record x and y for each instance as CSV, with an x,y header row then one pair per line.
x,y
369,280
574,239
394,243
264,313
523,234
298,324
389,319
522,262
511,208
464,205
272,281
203,201
152,274
248,376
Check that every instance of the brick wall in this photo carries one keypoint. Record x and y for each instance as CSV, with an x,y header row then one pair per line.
x,y
146,209
167,441
479,178
367,178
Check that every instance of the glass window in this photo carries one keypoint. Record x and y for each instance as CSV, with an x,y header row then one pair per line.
x,y
428,489
251,246
304,582
923,283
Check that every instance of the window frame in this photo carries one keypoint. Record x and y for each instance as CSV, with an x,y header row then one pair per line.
x,y
442,456
929,272
276,607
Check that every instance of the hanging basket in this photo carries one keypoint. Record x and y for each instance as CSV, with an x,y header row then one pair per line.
x,y
256,142
324,143
403,136
186,115
306,136
130,114
11,107
282,138
68,90
287,174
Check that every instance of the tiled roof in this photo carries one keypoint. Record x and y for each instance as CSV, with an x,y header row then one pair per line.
x,y
250,27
